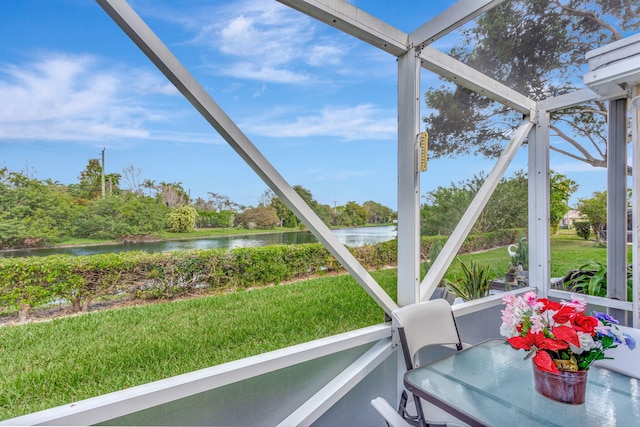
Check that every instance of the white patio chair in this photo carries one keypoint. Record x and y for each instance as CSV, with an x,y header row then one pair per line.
x,y
393,418
420,325
625,361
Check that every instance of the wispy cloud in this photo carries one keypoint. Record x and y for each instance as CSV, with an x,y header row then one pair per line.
x,y
348,123
270,42
81,98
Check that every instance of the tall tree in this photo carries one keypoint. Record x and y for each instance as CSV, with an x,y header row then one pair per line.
x,y
378,213
90,182
173,194
531,46
288,219
595,208
131,176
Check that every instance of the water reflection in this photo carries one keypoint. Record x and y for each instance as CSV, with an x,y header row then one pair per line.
x,y
348,236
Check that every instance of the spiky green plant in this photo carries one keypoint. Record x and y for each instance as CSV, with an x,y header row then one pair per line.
x,y
474,283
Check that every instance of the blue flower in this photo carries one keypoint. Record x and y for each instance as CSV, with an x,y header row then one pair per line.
x,y
605,318
629,341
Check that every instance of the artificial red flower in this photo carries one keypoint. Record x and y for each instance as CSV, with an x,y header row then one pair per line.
x,y
566,334
537,340
584,323
549,305
564,314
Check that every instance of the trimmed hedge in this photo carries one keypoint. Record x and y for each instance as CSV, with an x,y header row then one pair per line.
x,y
78,280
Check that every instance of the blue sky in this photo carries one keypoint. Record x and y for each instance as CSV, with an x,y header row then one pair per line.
x,y
320,105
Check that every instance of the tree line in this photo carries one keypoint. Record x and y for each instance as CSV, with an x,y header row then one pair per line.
x,y
507,208
36,212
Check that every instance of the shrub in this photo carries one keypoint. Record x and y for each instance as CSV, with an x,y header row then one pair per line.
x,y
583,229
183,219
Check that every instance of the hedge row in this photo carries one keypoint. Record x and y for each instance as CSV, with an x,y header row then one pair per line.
x,y
34,281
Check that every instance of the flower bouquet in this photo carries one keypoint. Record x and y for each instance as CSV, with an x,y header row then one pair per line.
x,y
559,335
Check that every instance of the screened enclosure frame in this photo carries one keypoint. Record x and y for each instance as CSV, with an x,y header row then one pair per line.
x,y
414,53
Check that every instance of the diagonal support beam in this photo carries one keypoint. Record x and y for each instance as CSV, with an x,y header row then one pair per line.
x,y
450,249
169,65
356,22
464,75
454,17
338,387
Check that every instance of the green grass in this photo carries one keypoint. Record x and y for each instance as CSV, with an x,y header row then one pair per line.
x,y
51,363
568,252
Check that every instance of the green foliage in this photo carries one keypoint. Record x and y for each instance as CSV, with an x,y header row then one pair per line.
x,y
591,279
377,213
583,229
353,215
521,256
89,186
474,283
595,208
507,207
212,219
32,212
34,281
182,219
561,189
119,216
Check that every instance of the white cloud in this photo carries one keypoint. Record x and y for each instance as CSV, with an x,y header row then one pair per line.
x,y
77,98
246,70
273,43
349,123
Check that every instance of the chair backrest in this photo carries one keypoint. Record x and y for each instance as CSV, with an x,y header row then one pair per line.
x,y
423,324
624,360
389,414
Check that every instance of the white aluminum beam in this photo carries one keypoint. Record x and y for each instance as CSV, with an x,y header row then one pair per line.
x,y
617,201
454,17
464,75
337,388
590,299
635,202
408,180
356,22
450,249
169,65
538,206
568,100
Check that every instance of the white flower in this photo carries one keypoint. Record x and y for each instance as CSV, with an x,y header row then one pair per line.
x,y
586,343
507,330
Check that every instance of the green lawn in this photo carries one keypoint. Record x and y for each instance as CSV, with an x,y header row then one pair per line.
x,y
47,364
50,363
568,252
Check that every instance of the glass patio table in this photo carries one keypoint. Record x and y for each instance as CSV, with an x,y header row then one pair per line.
x,y
491,385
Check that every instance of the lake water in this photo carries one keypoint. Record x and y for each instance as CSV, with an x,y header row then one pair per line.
x,y
348,236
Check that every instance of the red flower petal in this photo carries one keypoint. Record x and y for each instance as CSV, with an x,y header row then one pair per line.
x,y
549,305
544,362
564,314
520,342
567,334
